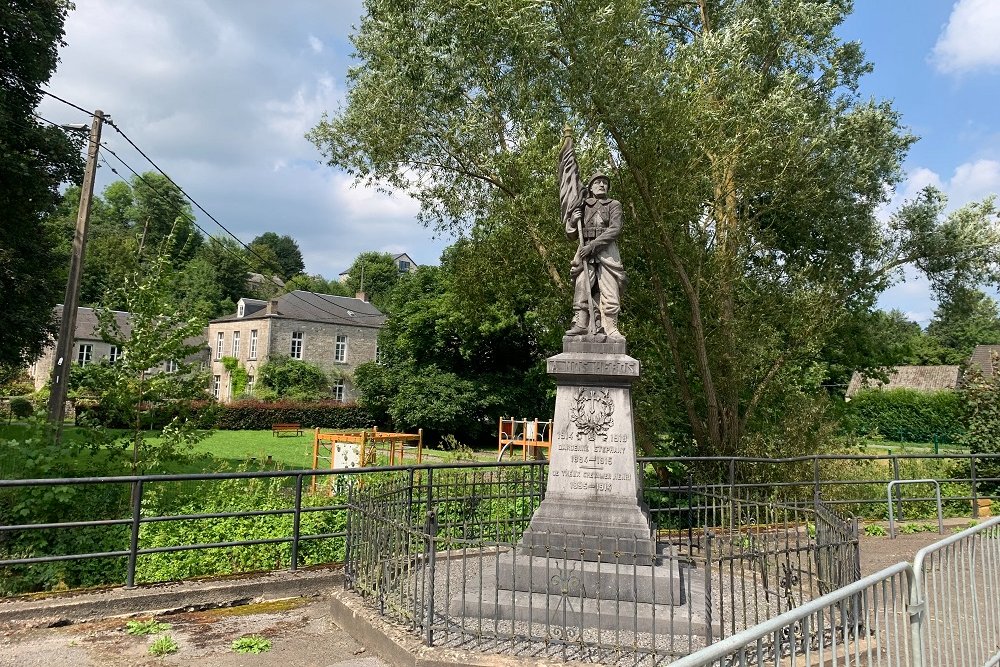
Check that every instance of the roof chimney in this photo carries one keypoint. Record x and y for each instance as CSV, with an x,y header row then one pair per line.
x,y
272,307
361,295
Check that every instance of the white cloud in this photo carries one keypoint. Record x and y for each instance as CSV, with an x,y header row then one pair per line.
x,y
973,181
220,93
971,39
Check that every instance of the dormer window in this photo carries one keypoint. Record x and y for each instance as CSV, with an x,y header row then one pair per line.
x,y
240,309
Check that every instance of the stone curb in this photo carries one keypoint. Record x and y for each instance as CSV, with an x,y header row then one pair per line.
x,y
67,608
404,649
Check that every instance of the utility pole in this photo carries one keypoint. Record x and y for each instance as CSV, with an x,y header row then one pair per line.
x,y
67,325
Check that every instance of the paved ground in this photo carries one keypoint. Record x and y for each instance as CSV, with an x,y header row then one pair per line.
x,y
880,552
300,631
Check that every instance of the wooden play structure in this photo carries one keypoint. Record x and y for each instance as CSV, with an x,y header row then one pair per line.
x,y
524,433
353,449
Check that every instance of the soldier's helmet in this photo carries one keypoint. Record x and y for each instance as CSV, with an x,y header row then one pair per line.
x,y
598,175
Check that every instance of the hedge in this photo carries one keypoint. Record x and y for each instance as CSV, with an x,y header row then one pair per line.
x,y
258,415
905,414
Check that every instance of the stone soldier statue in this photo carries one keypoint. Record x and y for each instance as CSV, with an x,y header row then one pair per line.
x,y
595,221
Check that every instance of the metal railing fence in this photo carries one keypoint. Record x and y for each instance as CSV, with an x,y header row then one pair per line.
x,y
851,483
739,560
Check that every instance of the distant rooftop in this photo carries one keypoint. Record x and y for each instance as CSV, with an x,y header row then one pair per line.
x,y
919,378
312,307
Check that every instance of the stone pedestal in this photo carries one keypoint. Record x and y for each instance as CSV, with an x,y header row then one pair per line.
x,y
593,502
589,558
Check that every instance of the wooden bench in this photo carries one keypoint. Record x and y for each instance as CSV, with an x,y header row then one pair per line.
x,y
278,429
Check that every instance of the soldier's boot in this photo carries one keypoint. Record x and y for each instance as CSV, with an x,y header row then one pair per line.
x,y
611,327
579,327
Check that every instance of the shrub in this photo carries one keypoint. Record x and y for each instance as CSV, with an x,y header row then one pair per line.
x,y
258,415
234,495
21,407
905,414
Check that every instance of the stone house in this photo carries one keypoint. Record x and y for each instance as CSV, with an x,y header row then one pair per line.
x,y
88,347
334,332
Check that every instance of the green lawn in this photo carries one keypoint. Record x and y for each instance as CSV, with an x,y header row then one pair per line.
x,y
226,450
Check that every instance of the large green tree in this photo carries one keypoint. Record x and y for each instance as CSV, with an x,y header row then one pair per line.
x,y
35,159
452,364
965,317
750,168
374,273
286,255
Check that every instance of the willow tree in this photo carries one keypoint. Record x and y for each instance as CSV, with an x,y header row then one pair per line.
x,y
751,169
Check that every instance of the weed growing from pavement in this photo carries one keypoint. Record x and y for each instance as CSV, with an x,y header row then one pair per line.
x,y
252,644
150,627
165,645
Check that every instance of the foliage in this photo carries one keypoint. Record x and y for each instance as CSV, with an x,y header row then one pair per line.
x,y
750,166
452,365
163,646
905,414
234,495
31,455
150,627
875,530
964,318
376,274
21,407
156,335
981,399
260,415
35,160
237,373
286,253
252,644
293,379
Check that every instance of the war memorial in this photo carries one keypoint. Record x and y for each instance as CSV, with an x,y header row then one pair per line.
x,y
571,561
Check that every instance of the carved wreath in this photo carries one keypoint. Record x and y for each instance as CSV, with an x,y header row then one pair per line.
x,y
591,412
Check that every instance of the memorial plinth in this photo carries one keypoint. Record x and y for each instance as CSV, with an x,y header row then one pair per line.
x,y
593,501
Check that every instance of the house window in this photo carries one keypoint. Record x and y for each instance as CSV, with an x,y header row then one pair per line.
x,y
378,354
404,266
216,385
296,352
85,353
249,384
170,366
340,349
115,354
219,341
236,344
240,310
338,390
253,343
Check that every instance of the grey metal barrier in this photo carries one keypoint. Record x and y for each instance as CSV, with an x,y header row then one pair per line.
x,y
942,611
863,623
958,598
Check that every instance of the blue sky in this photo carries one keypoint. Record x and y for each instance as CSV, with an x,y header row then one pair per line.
x,y
221,92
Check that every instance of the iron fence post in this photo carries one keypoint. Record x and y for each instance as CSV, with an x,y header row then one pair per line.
x,y
975,494
708,588
431,565
816,486
296,523
899,495
133,546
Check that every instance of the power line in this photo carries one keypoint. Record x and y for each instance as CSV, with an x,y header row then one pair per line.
x,y
56,97
225,229
248,248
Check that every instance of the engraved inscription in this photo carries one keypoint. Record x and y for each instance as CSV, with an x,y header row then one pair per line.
x,y
593,367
